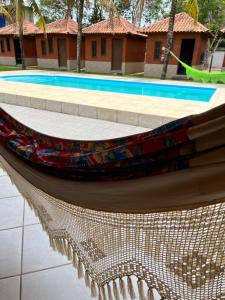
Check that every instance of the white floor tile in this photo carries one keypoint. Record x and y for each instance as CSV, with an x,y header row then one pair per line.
x,y
54,284
29,215
10,252
10,288
7,189
37,253
2,173
11,212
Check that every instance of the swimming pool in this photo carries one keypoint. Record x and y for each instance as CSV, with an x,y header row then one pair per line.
x,y
183,92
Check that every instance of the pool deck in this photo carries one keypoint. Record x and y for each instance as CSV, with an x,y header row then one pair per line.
x,y
143,111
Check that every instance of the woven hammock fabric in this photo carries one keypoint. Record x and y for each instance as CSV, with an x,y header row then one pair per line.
x,y
201,76
164,224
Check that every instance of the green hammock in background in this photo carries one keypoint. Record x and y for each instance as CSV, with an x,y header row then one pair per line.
x,y
202,76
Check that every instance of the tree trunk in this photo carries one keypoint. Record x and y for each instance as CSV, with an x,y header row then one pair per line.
x,y
22,47
79,33
211,49
169,39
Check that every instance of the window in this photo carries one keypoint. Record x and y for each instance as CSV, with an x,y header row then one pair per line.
x,y
43,47
94,48
50,45
157,50
103,46
8,44
2,46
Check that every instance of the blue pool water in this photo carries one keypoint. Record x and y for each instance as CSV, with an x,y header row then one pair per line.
x,y
118,86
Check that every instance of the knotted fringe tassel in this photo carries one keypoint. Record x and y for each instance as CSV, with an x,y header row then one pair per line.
x,y
54,247
80,270
141,291
75,260
64,245
87,279
116,290
109,292
130,288
150,295
93,289
100,294
59,245
70,252
122,288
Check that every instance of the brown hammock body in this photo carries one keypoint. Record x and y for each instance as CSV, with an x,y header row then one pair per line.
x,y
165,228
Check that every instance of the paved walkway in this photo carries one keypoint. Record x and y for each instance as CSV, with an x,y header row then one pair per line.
x,y
29,268
68,126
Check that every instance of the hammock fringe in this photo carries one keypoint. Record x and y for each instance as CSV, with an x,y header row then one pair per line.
x,y
122,288
150,295
141,291
61,242
109,291
115,290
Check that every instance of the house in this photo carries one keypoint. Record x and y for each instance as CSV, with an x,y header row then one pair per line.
x,y
190,42
114,45
10,52
58,48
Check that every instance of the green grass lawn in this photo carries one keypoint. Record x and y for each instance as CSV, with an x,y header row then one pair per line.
x,y
9,68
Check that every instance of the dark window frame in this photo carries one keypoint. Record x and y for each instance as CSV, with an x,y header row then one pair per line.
x,y
2,45
50,45
43,47
157,50
94,48
103,46
8,44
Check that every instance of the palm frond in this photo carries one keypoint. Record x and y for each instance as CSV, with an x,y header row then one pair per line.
x,y
5,13
34,6
192,9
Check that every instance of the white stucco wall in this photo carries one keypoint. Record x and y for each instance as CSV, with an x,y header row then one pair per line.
x,y
98,66
155,70
132,67
218,58
8,61
48,63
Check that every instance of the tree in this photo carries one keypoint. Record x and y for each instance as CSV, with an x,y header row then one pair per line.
x,y
169,39
17,11
192,9
53,10
97,13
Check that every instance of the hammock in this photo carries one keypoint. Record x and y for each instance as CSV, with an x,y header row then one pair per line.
x,y
149,205
202,76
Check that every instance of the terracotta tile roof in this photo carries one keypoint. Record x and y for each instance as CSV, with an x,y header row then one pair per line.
x,y
28,28
183,23
62,26
116,25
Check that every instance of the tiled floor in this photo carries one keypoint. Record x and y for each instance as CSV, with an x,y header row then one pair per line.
x,y
29,268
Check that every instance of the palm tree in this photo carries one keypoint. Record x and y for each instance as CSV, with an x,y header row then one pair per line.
x,y
192,9
169,38
80,14
19,7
